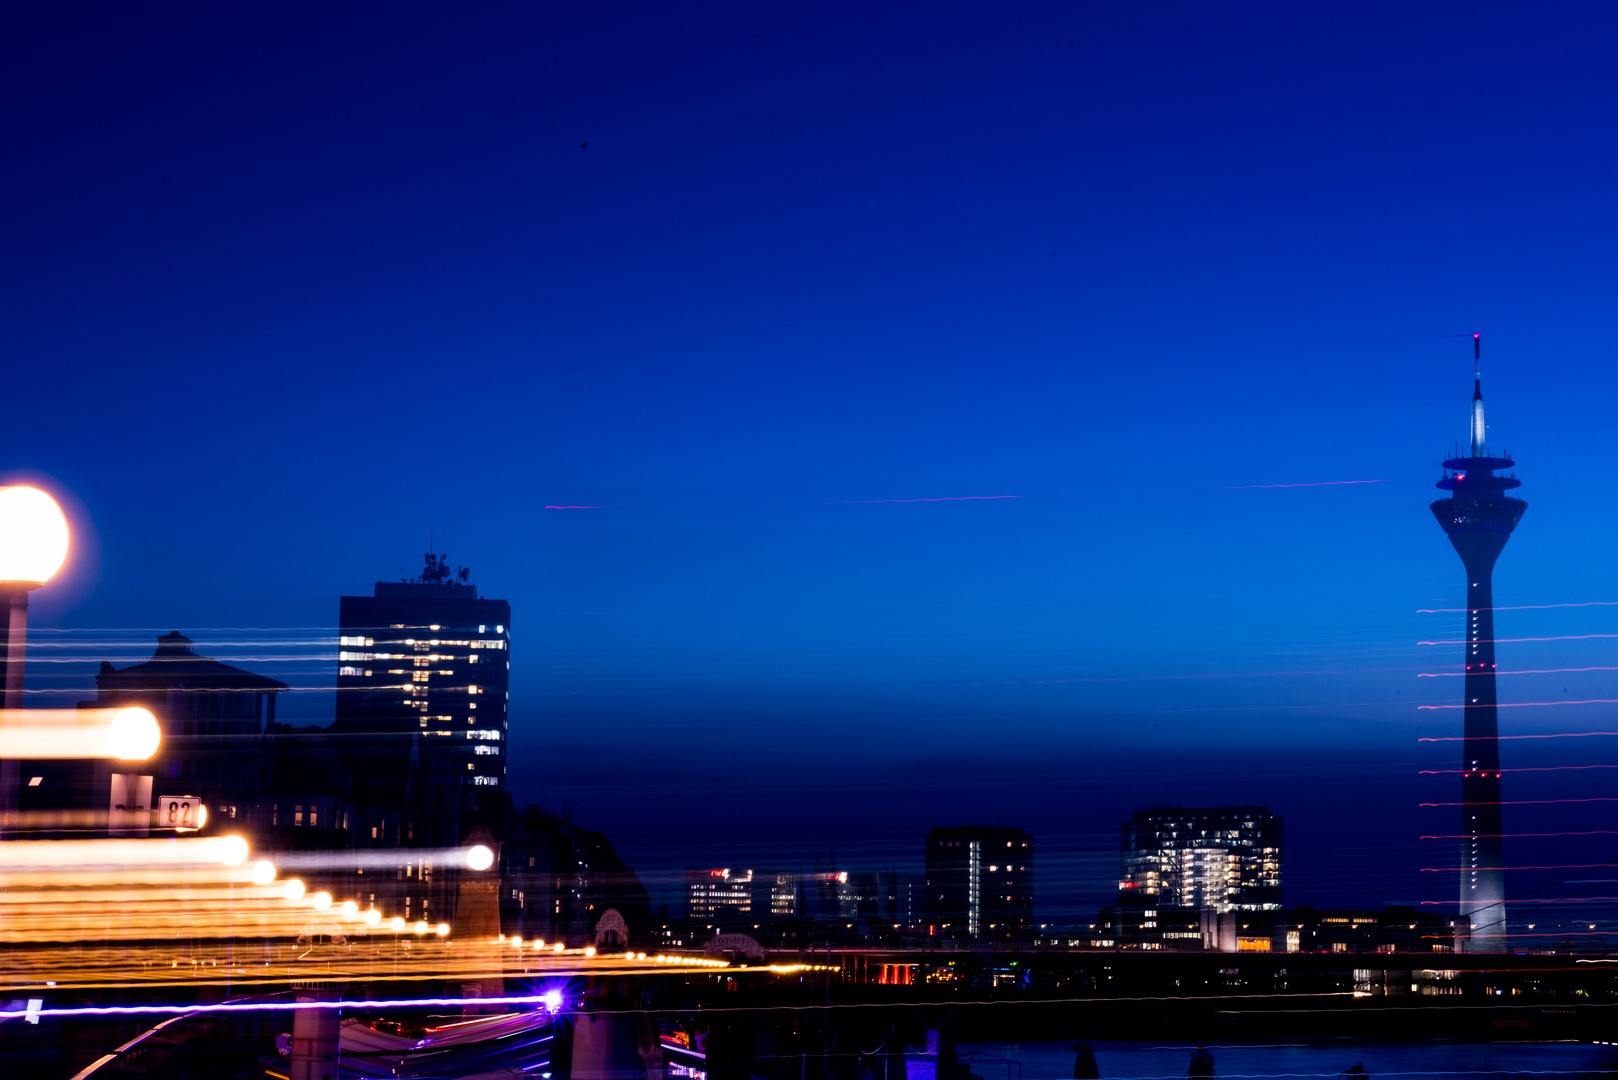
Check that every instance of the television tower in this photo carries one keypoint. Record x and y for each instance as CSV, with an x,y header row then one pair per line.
x,y
1479,517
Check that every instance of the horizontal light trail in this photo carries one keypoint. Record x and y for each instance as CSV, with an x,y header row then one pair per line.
x,y
1517,607
1525,768
578,508
1523,802
539,999
1504,640
1536,903
74,854
1563,866
1536,671
1499,738
1464,836
945,498
1525,705
1317,483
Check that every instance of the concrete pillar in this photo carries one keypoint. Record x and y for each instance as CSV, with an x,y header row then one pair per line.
x,y
605,1046
316,1039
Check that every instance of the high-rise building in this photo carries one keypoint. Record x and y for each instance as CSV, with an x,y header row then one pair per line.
x,y
1478,516
979,882
422,698
1225,858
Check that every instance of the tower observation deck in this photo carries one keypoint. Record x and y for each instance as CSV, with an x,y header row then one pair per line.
x,y
1479,516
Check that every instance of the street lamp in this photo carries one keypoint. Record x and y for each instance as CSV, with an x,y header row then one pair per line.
x,y
33,546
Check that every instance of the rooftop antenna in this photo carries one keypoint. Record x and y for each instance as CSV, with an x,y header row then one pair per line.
x,y
1478,438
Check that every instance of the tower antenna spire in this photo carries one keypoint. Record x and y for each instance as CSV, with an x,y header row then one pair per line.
x,y
1478,430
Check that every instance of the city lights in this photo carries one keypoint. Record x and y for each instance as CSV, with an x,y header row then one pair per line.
x,y
294,889
263,872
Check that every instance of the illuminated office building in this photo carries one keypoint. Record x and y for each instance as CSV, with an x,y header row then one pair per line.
x,y
1224,858
421,695
1478,517
752,895
979,882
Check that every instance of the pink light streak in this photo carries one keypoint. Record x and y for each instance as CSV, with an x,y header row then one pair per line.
x,y
1318,483
578,508
1532,704
1522,802
1492,641
1562,735
1463,836
1561,866
945,498
1536,671
1525,768
1518,607
267,1006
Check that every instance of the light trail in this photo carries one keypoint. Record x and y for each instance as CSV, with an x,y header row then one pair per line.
x,y
1525,768
1503,640
1533,671
1560,735
1467,836
1562,866
945,498
1318,483
1523,802
578,508
1525,705
539,999
1517,607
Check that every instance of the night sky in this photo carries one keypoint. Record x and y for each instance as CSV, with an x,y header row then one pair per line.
x,y
930,378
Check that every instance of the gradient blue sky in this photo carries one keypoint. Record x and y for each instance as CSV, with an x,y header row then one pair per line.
x,y
284,288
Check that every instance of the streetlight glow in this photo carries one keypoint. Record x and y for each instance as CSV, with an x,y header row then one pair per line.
x,y
33,536
263,872
479,857
134,735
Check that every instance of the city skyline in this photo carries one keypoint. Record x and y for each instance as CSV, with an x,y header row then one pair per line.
x,y
841,453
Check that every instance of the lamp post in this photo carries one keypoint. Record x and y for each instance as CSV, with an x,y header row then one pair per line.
x,y
33,546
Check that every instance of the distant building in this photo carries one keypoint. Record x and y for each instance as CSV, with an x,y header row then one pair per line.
x,y
756,896
1148,927
1224,858
422,696
218,725
979,882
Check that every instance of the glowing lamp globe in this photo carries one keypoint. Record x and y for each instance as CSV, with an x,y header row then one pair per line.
x,y
134,735
479,857
33,536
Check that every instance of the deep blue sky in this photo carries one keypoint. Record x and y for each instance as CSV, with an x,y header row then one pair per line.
x,y
284,289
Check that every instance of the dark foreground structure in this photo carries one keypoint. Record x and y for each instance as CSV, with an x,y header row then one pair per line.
x,y
1478,516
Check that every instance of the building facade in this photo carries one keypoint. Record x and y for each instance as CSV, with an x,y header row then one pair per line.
x,y
424,667
979,882
1224,858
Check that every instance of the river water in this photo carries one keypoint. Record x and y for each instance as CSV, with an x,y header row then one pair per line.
x,y
1320,1059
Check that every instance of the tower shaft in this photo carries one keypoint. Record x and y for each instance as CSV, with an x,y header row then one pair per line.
x,y
1483,879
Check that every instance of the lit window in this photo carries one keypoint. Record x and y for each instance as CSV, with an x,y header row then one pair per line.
x,y
35,781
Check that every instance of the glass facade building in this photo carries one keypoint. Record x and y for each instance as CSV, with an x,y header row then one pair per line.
x,y
1223,858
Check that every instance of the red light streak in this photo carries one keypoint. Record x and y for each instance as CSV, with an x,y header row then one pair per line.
x,y
1534,671
1562,735
946,498
1518,607
1319,483
1496,641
